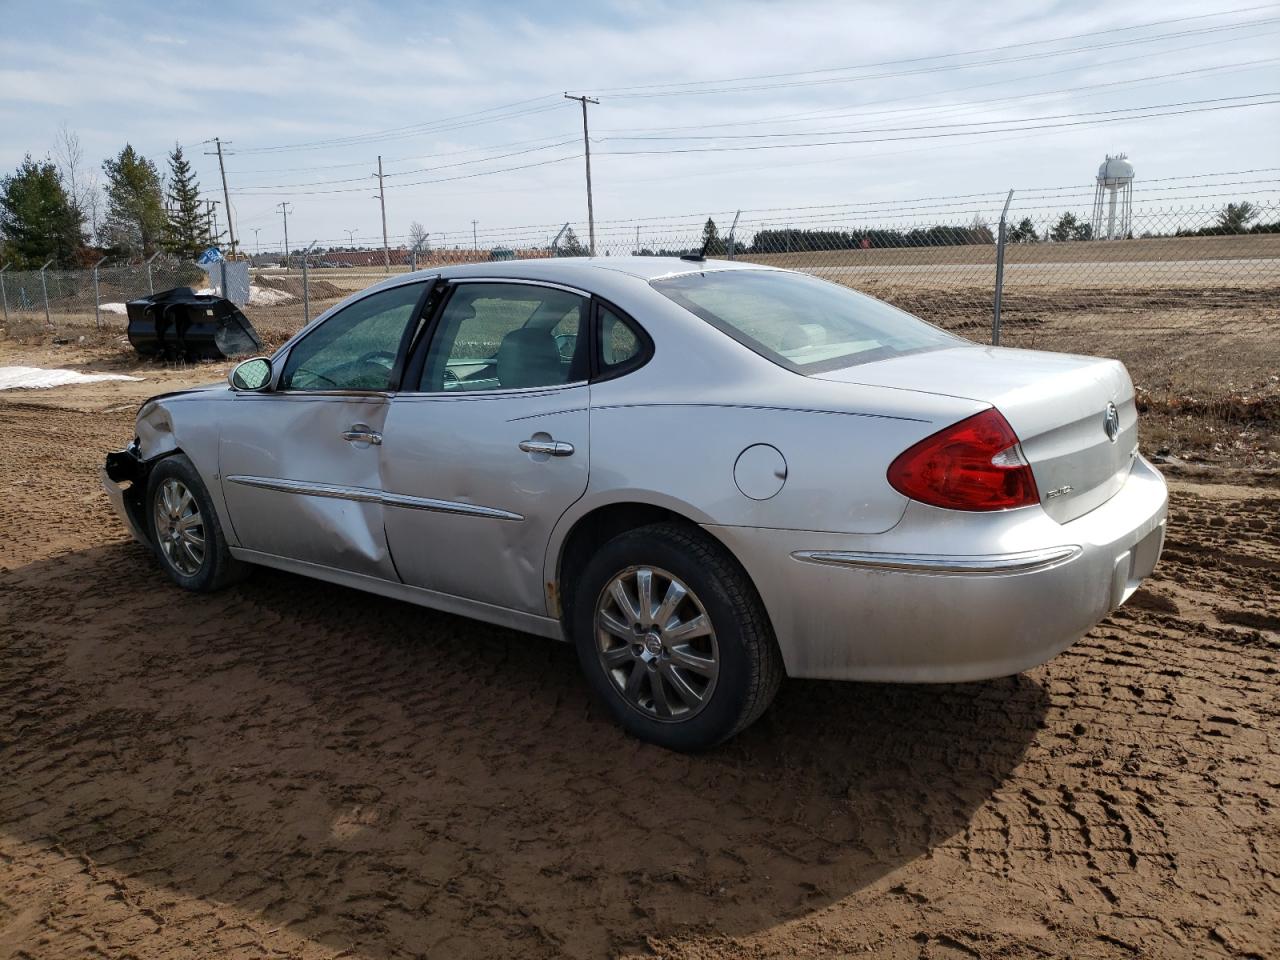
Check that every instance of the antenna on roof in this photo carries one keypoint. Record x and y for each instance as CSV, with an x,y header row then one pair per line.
x,y
701,255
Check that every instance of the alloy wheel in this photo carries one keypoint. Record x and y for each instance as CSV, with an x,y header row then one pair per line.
x,y
656,643
179,527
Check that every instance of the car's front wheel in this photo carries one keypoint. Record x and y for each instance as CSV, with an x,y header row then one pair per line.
x,y
673,637
185,531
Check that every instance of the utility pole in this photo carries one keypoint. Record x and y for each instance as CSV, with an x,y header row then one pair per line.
x,y
350,236
475,244
586,147
637,240
226,195
257,246
382,199
284,209
211,214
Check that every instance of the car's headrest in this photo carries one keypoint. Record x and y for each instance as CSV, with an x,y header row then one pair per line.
x,y
529,358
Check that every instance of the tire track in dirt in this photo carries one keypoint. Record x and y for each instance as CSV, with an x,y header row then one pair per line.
x,y
296,768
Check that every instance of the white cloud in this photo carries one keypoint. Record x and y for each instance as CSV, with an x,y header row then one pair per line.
x,y
273,75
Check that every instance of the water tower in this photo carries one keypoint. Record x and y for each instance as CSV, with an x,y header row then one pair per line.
x,y
1115,189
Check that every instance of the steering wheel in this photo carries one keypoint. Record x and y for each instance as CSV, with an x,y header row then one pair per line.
x,y
566,344
312,373
373,356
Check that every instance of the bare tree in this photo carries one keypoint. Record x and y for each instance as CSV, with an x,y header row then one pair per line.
x,y
418,236
80,183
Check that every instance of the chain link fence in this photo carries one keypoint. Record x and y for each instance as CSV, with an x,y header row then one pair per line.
x,y
1178,274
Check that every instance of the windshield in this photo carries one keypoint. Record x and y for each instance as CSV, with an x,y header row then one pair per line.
x,y
799,322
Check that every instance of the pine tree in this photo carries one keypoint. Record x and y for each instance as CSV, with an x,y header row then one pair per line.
x,y
1236,217
38,220
135,223
1024,232
1069,227
711,244
187,229
571,246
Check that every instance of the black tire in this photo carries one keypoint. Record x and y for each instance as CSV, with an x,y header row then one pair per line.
x,y
216,568
750,665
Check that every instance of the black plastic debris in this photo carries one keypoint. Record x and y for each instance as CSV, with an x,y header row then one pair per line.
x,y
180,324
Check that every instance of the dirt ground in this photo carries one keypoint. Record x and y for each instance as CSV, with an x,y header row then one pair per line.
x,y
298,770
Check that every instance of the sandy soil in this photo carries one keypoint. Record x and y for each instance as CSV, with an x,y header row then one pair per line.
x,y
293,769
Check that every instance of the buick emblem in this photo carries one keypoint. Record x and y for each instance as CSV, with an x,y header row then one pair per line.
x,y
1111,422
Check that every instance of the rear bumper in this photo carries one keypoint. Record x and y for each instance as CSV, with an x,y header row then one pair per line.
x,y
947,596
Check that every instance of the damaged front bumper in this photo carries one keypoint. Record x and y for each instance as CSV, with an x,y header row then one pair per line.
x,y
124,478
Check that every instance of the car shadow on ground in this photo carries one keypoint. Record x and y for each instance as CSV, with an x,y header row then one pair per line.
x,y
376,776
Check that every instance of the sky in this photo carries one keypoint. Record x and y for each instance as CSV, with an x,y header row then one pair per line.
x,y
809,113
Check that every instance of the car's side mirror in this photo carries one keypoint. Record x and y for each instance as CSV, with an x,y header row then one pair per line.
x,y
251,375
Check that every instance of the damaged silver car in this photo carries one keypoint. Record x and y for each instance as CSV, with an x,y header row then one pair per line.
x,y
705,475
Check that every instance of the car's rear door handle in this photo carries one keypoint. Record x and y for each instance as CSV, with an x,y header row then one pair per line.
x,y
359,433
554,448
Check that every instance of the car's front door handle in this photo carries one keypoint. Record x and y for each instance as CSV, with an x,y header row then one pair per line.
x,y
359,433
553,448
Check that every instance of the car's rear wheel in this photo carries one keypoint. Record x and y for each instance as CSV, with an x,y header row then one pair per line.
x,y
185,531
673,637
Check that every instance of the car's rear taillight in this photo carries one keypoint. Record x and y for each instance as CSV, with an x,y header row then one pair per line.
x,y
976,464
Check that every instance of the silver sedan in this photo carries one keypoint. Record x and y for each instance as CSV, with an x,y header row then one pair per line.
x,y
705,475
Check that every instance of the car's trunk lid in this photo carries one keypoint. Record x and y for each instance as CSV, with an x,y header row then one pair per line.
x,y
1058,404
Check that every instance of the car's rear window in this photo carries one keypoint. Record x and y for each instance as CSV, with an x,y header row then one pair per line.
x,y
799,322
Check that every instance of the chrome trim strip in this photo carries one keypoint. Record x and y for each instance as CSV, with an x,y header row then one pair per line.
x,y
555,285
994,563
365,495
447,506
488,612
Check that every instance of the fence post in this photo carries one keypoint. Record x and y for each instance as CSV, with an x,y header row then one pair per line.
x,y
151,287
1000,243
732,229
3,295
44,288
306,284
97,300
555,244
222,270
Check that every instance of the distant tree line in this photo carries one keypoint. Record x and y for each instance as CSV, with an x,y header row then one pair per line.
x,y
1235,218
53,209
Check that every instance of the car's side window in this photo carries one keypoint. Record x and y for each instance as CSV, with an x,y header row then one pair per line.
x,y
507,336
619,341
356,348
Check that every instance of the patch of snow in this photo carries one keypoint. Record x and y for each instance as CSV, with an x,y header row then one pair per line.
x,y
258,296
35,378
113,308
267,296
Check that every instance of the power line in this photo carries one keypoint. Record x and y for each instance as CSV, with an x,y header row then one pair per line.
x,y
440,126
934,136
937,126
390,160
944,68
860,111
417,183
939,56
406,173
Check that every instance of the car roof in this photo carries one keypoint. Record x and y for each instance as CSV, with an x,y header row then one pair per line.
x,y
569,270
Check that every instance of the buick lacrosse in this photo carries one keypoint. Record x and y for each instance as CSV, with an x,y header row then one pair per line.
x,y
706,475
